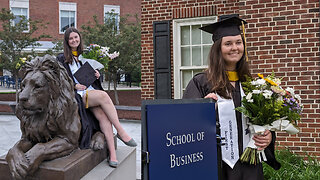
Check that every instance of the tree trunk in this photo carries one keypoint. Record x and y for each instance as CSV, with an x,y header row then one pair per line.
x,y
115,90
108,79
17,88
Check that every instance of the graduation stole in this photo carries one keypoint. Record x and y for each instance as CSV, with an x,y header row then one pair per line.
x,y
233,76
75,53
229,130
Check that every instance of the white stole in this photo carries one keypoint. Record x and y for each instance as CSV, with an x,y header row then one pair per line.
x,y
229,130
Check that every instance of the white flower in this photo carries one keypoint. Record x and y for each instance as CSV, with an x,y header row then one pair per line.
x,y
258,82
248,97
290,90
277,81
256,91
267,94
113,55
297,97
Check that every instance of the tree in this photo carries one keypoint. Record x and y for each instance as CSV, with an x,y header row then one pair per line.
x,y
14,39
126,39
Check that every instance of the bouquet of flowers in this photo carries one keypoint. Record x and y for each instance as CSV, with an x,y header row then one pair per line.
x,y
268,106
100,54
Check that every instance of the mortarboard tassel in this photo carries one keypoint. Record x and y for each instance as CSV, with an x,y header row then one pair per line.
x,y
245,41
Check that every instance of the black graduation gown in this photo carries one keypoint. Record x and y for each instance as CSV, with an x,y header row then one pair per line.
x,y
89,123
199,87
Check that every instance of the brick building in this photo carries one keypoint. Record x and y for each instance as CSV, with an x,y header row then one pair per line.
x,y
60,14
283,36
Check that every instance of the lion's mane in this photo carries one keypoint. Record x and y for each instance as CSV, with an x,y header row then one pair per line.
x,y
61,114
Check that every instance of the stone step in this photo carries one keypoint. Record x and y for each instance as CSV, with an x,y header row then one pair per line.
x,y
126,169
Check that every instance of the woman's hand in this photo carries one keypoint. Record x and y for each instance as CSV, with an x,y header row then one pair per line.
x,y
80,87
262,141
212,95
97,74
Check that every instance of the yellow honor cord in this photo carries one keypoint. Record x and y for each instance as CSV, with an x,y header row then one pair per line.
x,y
75,53
233,76
245,41
87,103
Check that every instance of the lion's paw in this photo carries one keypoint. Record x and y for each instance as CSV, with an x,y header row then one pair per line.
x,y
97,141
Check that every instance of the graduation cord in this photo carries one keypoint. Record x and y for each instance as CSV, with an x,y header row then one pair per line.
x,y
87,103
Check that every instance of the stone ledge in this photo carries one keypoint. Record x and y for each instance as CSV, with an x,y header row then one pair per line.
x,y
125,171
71,167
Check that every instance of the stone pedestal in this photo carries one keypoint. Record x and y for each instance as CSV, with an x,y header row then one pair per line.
x,y
83,165
71,167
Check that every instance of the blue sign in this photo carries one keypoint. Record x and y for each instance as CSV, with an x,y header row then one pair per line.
x,y
181,141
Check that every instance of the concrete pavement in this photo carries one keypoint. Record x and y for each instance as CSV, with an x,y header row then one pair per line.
x,y
10,133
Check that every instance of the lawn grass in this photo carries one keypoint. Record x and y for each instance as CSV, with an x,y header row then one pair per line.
x,y
293,167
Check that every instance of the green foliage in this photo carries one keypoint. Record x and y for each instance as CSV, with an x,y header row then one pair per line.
x,y
293,167
125,40
16,38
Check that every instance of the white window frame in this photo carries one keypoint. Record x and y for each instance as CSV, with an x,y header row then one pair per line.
x,y
67,6
111,8
177,23
20,4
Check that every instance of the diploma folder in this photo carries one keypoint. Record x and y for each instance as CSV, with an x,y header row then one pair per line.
x,y
85,75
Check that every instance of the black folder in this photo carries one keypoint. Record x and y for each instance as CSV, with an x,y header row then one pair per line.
x,y
85,74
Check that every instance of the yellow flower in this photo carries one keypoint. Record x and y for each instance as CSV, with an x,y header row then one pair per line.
x,y
23,60
261,76
271,82
18,65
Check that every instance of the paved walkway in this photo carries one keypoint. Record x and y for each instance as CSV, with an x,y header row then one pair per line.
x,y
10,133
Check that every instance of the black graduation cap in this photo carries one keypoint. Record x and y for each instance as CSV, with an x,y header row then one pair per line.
x,y
85,74
227,25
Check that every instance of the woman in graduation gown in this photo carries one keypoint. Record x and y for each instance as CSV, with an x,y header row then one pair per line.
x,y
96,110
222,81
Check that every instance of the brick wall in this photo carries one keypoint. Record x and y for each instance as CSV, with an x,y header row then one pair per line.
x,y
48,12
283,36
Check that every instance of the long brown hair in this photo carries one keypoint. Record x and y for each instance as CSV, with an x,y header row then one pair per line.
x,y
216,72
66,47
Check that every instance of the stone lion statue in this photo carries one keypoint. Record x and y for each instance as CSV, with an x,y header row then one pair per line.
x,y
48,114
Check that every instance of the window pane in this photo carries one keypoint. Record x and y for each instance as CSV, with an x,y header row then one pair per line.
x,y
24,11
64,23
16,11
196,34
196,55
185,35
72,22
197,71
186,77
72,14
206,38
67,20
206,50
185,56
64,13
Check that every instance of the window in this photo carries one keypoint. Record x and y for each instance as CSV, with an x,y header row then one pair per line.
x,y
67,16
191,47
19,8
112,12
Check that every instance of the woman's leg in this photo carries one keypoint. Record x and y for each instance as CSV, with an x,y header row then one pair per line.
x,y
102,99
106,128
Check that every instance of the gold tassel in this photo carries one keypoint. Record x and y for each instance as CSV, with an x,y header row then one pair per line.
x,y
245,41
87,103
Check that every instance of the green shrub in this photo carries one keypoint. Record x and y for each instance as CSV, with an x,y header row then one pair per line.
x,y
293,167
